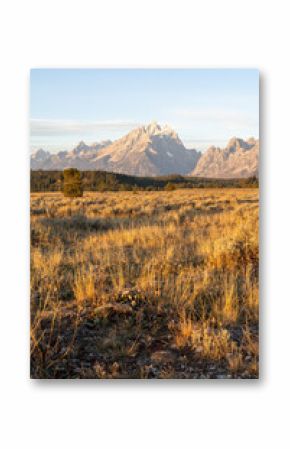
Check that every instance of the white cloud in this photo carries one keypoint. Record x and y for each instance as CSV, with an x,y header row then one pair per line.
x,y
41,127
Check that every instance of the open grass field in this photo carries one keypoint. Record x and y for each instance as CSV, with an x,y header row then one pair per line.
x,y
145,284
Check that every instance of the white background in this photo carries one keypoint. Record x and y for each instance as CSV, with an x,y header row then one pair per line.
x,y
157,414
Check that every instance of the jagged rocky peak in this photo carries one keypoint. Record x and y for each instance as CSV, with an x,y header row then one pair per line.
x,y
80,157
40,155
236,143
152,128
239,159
155,129
148,150
82,148
81,145
141,138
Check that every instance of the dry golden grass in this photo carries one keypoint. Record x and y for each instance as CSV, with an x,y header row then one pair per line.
x,y
128,274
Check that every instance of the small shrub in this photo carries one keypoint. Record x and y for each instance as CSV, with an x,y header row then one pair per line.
x,y
72,184
169,187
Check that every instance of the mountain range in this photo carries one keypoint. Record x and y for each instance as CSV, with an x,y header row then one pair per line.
x,y
239,159
154,150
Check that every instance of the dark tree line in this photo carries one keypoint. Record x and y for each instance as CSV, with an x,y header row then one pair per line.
x,y
73,182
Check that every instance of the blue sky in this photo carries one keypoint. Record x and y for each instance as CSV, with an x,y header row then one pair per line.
x,y
204,106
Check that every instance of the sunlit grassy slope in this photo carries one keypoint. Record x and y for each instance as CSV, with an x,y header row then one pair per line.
x,y
145,284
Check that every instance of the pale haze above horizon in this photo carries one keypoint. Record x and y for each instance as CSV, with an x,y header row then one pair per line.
x,y
204,106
